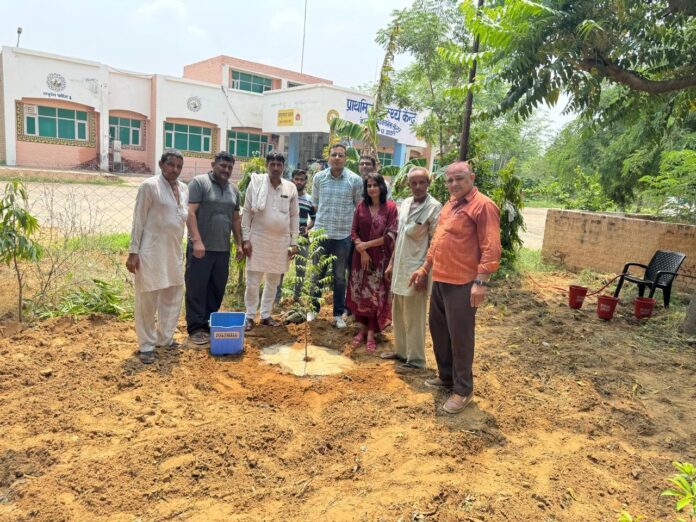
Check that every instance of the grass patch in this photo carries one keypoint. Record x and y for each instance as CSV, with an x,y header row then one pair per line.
x,y
100,297
66,179
541,203
529,260
116,243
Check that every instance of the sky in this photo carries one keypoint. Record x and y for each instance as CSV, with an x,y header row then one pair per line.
x,y
161,36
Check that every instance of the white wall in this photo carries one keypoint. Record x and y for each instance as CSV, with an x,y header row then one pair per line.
x,y
25,74
242,110
130,92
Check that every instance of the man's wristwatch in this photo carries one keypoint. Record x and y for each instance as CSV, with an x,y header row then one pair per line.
x,y
481,282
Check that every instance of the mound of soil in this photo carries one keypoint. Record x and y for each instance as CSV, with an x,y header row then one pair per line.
x,y
574,419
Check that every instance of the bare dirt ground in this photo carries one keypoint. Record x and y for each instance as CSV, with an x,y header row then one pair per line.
x,y
574,418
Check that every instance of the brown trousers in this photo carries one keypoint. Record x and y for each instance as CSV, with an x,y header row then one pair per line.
x,y
452,323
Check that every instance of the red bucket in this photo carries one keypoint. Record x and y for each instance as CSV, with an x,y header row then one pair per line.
x,y
643,307
606,305
576,296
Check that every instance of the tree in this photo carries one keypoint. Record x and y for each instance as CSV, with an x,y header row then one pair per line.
x,y
367,132
466,125
433,31
636,157
423,85
18,225
313,257
580,47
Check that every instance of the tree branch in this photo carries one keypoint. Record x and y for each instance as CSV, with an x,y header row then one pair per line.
x,y
686,7
634,80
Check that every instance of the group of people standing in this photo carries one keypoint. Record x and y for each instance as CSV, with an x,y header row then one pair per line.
x,y
386,257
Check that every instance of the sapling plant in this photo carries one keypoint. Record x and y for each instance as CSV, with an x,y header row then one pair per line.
x,y
684,489
17,226
315,279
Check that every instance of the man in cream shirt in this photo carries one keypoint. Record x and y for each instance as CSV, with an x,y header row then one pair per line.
x,y
418,217
156,257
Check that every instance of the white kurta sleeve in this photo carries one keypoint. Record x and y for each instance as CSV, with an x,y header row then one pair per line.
x,y
143,202
294,218
247,214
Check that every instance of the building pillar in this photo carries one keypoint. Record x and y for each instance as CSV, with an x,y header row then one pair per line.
x,y
157,126
225,79
294,149
103,127
8,97
399,157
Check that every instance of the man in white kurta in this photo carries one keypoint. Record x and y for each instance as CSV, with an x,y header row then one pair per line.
x,y
156,257
270,225
418,217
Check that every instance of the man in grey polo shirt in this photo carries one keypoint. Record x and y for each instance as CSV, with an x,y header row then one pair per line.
x,y
335,193
213,213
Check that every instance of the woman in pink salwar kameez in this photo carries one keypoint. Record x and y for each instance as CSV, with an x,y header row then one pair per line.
x,y
375,223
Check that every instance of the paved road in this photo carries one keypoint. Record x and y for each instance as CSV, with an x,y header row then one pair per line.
x,y
535,220
93,209
82,208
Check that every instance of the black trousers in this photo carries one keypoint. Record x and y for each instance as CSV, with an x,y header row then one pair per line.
x,y
206,279
452,323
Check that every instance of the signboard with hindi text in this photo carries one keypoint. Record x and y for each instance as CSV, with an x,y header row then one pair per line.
x,y
310,108
286,117
396,123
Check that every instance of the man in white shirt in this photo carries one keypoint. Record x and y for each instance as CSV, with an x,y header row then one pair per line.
x,y
156,257
270,225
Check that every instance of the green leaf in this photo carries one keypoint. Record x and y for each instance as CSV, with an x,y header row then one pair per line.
x,y
682,503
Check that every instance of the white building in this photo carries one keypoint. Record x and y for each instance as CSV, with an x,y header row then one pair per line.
x,y
60,112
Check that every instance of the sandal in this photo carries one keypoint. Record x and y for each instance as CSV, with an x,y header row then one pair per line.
x,y
389,355
146,357
269,321
371,346
248,324
358,339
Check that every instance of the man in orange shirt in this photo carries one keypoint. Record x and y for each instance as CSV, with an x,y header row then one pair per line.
x,y
464,252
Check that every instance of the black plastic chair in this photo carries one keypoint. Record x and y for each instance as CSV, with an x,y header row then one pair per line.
x,y
659,273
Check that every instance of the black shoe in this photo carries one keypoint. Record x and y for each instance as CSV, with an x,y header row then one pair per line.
x,y
200,337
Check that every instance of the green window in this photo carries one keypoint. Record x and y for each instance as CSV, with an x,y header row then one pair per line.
x,y
51,122
30,126
250,82
385,158
126,130
191,138
245,145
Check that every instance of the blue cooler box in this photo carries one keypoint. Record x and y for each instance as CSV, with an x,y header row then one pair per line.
x,y
227,333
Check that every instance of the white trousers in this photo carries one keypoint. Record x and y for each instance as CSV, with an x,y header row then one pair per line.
x,y
408,322
251,294
156,316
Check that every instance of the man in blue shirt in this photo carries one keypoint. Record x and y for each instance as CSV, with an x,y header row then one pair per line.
x,y
335,193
